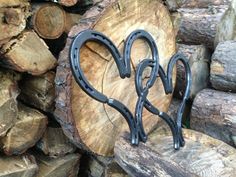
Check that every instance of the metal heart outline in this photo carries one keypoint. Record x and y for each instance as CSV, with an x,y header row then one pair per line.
x,y
123,64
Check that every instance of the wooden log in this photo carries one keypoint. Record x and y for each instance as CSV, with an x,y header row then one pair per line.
x,y
201,156
27,53
58,167
27,130
223,63
39,91
226,29
198,26
198,58
13,16
213,113
15,166
66,3
74,108
8,104
48,20
173,5
98,166
54,143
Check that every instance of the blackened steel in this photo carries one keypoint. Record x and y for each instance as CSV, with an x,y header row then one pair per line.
x,y
135,121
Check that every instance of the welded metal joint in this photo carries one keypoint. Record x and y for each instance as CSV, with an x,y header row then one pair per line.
x,y
134,121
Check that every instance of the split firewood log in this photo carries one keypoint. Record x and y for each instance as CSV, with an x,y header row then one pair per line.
x,y
201,156
98,166
50,20
226,29
54,143
173,5
27,130
213,113
89,124
199,60
223,63
59,167
8,104
13,14
198,25
27,53
38,91
67,3
15,166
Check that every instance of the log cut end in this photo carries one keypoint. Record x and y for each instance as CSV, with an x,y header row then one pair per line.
x,y
90,124
28,53
8,104
27,130
49,20
15,166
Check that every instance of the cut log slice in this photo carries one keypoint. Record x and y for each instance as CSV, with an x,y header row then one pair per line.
x,y
223,64
15,166
27,53
58,167
48,20
13,16
28,129
213,113
226,29
88,123
54,143
201,156
198,58
8,104
39,91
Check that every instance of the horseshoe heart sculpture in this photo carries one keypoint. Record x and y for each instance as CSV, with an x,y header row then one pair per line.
x,y
123,64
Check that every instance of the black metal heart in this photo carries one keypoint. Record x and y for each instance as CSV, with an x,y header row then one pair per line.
x,y
123,64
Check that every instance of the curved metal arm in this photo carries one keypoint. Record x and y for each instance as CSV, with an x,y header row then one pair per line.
x,y
123,64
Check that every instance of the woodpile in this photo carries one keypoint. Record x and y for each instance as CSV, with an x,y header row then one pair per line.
x,y
31,141
50,127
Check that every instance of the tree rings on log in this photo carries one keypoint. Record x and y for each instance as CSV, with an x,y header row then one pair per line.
x,y
201,156
88,123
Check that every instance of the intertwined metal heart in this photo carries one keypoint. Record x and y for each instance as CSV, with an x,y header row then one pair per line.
x,y
123,64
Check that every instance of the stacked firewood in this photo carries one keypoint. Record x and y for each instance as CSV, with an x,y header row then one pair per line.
x,y
50,127
32,142
206,34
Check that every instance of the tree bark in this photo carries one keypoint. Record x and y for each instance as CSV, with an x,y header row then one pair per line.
x,y
223,63
27,53
198,26
13,16
89,124
201,156
27,130
39,91
198,58
58,167
15,166
8,104
226,29
173,5
213,113
54,143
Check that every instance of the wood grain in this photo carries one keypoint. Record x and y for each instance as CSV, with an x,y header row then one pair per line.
x,y
90,124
